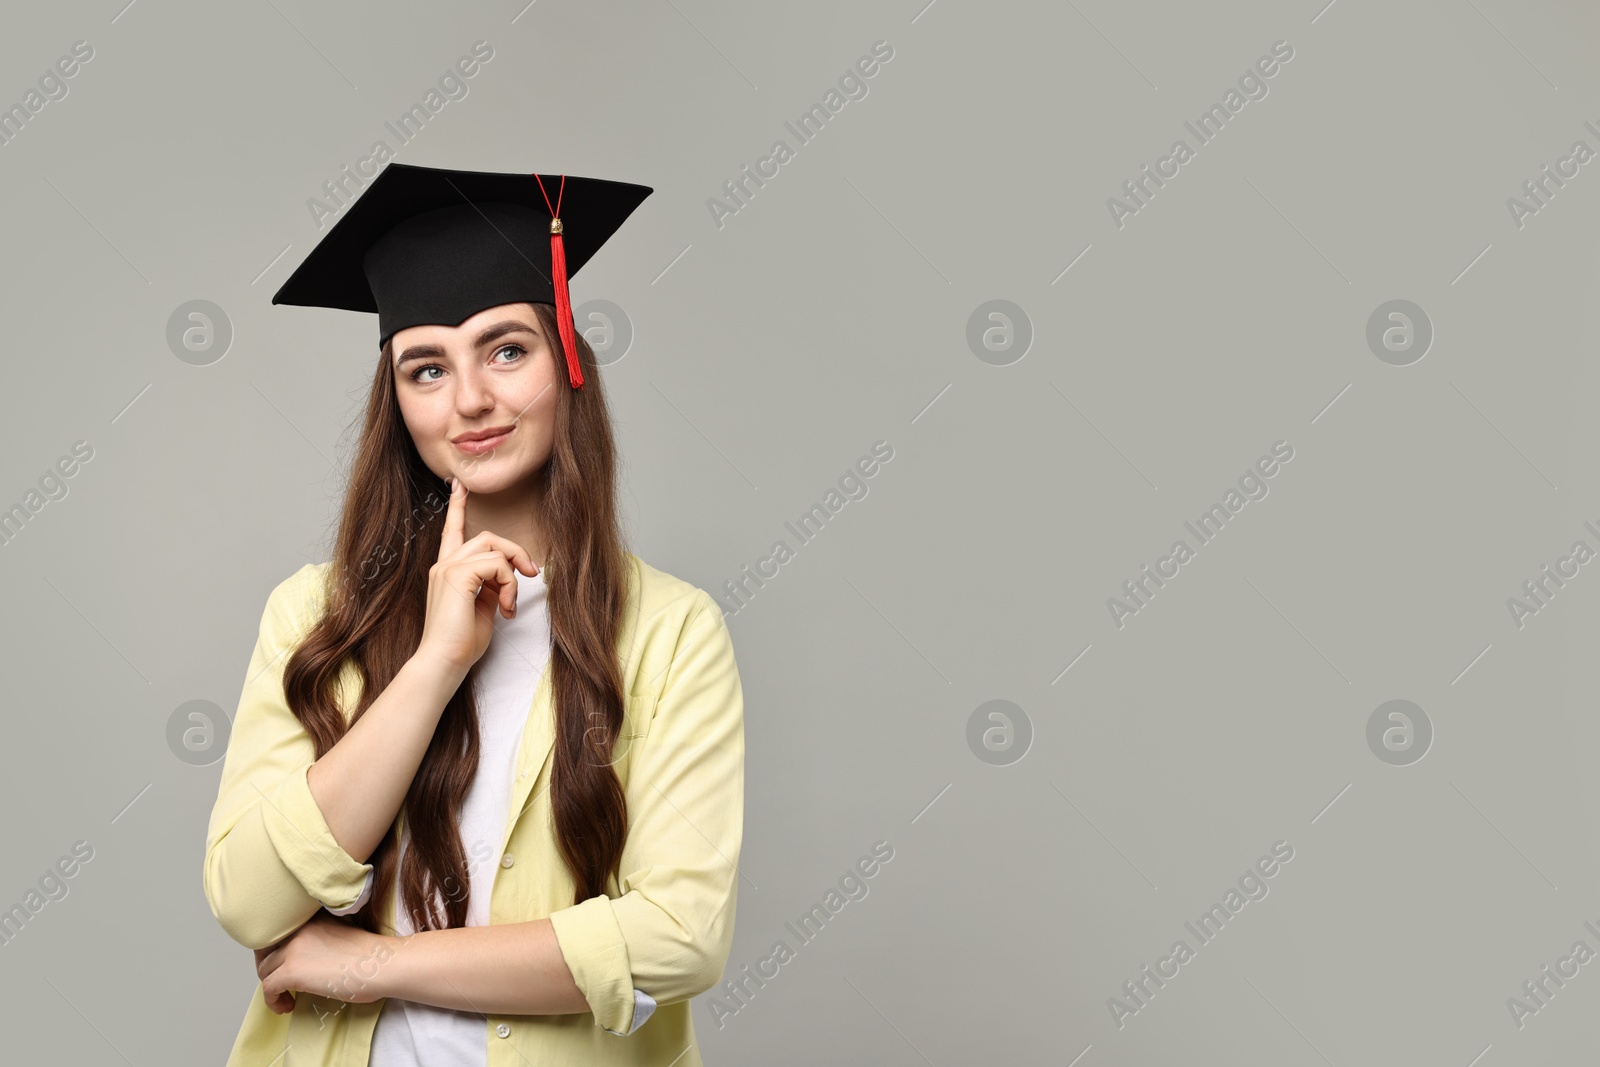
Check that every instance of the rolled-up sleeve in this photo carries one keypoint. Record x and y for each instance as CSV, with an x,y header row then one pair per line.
x,y
670,931
644,1005
366,894
271,861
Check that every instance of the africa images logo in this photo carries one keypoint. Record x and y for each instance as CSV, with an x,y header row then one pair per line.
x,y
1205,528
1212,121
1252,887
811,122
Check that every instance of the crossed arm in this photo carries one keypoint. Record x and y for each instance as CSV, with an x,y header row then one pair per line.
x,y
506,968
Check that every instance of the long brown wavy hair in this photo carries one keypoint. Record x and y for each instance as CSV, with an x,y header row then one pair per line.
x,y
388,537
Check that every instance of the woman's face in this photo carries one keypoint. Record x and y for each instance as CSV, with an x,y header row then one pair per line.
x,y
494,372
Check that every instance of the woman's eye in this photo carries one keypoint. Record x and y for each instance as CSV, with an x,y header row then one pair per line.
x,y
417,375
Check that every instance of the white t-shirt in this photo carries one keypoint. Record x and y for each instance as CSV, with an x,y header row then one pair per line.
x,y
412,1034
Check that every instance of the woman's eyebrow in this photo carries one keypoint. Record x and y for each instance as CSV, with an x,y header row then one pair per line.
x,y
490,334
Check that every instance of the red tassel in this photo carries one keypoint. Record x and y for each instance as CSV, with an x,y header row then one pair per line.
x,y
569,340
558,271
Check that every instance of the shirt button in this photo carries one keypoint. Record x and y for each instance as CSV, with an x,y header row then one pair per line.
x,y
507,860
503,1030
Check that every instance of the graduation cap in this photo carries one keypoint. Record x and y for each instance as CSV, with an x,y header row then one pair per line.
x,y
423,245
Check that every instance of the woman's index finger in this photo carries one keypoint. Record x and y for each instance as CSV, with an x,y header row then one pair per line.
x,y
455,519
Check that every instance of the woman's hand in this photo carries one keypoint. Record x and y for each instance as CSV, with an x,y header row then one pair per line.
x,y
327,958
463,587
283,1002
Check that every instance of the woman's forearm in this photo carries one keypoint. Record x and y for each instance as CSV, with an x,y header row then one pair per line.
x,y
503,968
361,781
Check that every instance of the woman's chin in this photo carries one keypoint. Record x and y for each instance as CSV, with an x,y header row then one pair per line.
x,y
485,479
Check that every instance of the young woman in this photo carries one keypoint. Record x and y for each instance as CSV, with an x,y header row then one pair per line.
x,y
483,799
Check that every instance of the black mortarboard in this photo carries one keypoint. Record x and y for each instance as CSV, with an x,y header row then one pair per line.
x,y
423,245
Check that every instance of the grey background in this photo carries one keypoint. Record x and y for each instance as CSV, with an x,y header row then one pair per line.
x,y
829,313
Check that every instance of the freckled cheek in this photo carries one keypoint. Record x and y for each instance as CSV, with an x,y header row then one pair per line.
x,y
541,438
426,423
536,422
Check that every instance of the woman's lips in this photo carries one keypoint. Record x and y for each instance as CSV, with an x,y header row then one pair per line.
x,y
487,444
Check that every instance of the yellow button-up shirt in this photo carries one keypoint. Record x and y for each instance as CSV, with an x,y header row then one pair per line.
x,y
666,928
